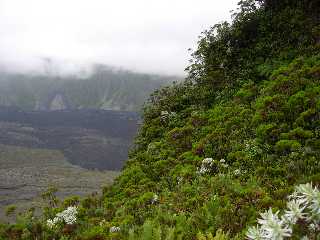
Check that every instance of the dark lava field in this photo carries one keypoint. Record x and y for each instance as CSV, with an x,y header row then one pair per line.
x,y
76,151
92,139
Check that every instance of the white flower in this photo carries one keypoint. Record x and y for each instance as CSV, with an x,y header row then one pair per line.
x,y
56,220
313,227
222,160
114,229
206,165
103,222
305,193
304,205
294,212
155,199
207,160
273,227
268,216
203,170
164,113
237,172
68,216
256,233
309,196
50,223
315,204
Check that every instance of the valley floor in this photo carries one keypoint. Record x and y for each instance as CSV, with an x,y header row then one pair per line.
x,y
27,172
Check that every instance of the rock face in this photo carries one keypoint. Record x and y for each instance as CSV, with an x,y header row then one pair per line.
x,y
57,103
103,89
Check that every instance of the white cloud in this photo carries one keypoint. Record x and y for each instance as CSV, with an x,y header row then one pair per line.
x,y
143,35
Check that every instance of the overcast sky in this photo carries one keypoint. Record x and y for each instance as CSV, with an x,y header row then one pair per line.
x,y
140,35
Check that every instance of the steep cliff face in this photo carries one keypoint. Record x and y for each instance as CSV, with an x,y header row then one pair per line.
x,y
104,89
53,102
58,103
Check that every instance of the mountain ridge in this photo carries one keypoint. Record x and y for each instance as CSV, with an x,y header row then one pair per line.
x,y
105,88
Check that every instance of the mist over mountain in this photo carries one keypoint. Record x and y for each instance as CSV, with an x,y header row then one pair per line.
x,y
97,86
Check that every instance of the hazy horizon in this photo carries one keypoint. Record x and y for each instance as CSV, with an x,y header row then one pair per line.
x,y
70,36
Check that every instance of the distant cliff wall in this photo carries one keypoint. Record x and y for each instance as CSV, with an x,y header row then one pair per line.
x,y
104,89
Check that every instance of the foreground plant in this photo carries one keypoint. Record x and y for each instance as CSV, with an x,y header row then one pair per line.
x,y
68,216
303,213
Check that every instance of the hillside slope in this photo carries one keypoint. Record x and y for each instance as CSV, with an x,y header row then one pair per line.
x,y
228,143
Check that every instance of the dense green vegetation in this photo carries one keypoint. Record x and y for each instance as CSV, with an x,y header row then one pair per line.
x,y
250,106
105,88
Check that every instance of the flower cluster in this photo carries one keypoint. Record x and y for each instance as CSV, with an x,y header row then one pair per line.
x,y
102,223
206,165
52,222
223,163
155,199
237,172
209,165
67,216
115,229
303,207
165,115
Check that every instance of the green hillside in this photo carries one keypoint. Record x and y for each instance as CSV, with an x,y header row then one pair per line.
x,y
228,143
